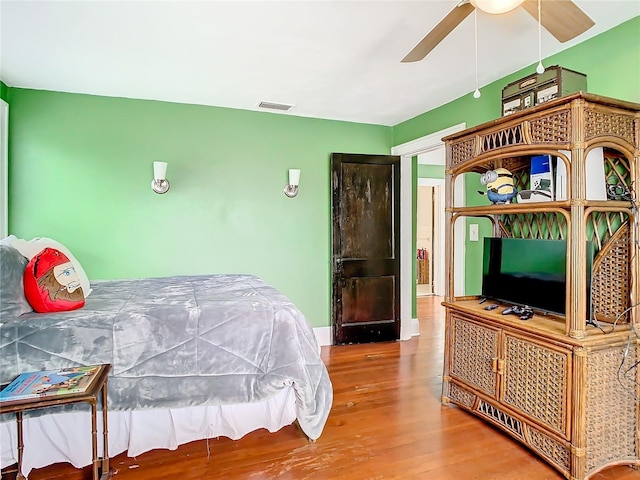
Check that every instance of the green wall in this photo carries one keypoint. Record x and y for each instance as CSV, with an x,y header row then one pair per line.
x,y
611,62
81,171
3,91
430,171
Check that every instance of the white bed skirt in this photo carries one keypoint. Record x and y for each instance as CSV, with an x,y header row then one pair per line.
x,y
66,437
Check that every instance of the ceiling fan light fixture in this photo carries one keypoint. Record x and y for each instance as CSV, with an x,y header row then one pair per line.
x,y
496,6
540,67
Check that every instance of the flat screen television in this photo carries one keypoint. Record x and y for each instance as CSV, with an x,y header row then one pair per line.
x,y
532,272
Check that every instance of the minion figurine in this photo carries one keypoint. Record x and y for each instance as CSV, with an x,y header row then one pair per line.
x,y
500,187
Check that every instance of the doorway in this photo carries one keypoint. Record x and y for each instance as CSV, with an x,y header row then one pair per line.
x,y
408,151
424,240
430,237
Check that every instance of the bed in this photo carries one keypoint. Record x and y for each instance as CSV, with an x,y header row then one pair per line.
x,y
192,357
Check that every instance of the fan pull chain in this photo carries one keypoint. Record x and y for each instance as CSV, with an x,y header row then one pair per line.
x,y
540,67
476,94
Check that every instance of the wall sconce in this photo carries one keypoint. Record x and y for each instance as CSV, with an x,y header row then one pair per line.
x,y
291,189
160,184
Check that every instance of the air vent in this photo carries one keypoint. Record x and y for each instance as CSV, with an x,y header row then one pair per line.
x,y
275,106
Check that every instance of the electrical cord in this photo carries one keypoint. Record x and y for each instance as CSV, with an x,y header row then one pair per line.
x,y
623,378
627,377
629,195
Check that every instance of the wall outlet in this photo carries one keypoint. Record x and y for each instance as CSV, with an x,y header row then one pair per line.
x,y
473,232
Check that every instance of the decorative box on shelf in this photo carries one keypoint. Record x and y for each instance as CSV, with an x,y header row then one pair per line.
x,y
537,88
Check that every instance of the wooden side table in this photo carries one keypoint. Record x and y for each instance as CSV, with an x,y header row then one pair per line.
x,y
91,395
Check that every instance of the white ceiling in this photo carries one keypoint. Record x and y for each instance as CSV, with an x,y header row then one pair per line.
x,y
331,59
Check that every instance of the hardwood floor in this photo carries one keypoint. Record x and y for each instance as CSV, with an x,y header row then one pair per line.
x,y
387,422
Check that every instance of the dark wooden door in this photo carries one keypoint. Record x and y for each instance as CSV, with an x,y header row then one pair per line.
x,y
366,248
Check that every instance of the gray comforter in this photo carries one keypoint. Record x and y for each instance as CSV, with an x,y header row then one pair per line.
x,y
180,341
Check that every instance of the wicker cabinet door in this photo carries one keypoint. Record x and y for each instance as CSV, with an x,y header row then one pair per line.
x,y
536,381
474,354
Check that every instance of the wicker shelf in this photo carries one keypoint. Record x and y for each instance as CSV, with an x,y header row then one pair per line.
x,y
547,327
541,207
552,382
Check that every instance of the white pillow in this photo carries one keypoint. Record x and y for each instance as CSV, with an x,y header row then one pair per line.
x,y
8,240
33,247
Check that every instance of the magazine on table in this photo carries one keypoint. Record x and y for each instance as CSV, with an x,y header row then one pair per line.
x,y
50,383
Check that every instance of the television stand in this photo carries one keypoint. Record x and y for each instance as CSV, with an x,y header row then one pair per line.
x,y
550,382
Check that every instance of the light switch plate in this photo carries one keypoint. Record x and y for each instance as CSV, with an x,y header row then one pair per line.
x,y
473,232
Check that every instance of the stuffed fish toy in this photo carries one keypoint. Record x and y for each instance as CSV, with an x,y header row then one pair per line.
x,y
500,187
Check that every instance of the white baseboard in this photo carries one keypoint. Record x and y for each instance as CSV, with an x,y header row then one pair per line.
x,y
415,327
323,336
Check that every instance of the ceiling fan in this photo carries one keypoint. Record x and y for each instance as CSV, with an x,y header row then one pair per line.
x,y
562,18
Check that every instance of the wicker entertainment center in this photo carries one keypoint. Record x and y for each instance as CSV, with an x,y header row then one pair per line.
x,y
565,389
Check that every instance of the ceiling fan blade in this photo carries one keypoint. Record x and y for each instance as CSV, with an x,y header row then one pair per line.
x,y
435,36
562,18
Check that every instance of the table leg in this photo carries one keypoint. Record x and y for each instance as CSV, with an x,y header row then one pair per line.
x,y
106,474
94,440
19,475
